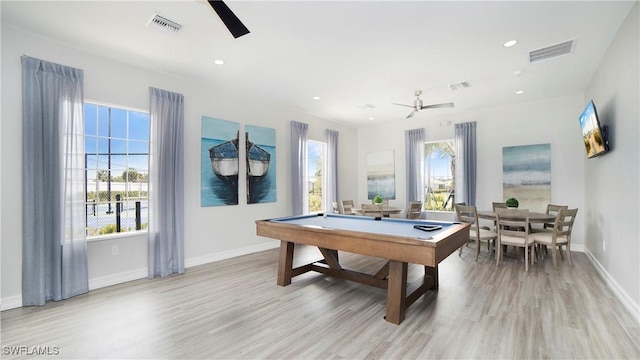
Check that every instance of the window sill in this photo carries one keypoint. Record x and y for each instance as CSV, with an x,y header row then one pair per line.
x,y
117,236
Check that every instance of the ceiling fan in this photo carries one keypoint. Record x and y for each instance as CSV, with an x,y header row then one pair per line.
x,y
230,20
417,105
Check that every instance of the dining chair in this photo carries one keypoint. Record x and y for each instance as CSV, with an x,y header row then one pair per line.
x,y
465,204
469,214
346,206
559,235
336,207
513,229
499,205
372,210
414,210
551,210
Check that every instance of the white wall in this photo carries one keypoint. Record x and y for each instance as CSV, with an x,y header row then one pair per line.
x,y
211,233
553,121
612,183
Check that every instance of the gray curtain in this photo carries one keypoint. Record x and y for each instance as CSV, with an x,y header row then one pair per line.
x,y
166,183
465,143
414,158
331,171
299,185
54,247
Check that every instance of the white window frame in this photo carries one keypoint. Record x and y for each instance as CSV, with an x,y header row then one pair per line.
x,y
309,180
438,193
128,232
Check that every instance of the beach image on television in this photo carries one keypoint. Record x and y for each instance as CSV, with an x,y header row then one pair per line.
x,y
219,164
526,175
591,133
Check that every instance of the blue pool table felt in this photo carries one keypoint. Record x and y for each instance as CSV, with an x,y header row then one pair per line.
x,y
386,226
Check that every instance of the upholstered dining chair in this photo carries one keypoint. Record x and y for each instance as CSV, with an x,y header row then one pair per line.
x,y
336,207
414,210
551,210
513,229
498,205
465,204
469,214
559,235
346,206
372,210
494,206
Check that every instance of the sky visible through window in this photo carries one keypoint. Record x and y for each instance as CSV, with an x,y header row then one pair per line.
x,y
440,166
129,132
315,155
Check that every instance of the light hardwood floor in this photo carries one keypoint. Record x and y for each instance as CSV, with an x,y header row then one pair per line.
x,y
233,309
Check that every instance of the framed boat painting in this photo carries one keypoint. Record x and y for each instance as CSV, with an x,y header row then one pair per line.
x,y
219,162
260,153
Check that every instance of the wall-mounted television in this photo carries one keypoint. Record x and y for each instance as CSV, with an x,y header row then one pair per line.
x,y
594,135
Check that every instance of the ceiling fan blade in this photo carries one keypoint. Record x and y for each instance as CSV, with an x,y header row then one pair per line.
x,y
435,106
412,113
231,21
403,105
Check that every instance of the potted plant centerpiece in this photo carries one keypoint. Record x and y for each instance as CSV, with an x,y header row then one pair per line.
x,y
377,200
512,203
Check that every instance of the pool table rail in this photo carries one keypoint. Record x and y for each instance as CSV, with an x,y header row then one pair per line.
x,y
401,248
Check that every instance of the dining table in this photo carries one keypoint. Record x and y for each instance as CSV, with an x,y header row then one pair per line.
x,y
534,217
386,211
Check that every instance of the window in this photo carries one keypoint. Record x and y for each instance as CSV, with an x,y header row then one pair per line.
x,y
315,165
439,165
116,169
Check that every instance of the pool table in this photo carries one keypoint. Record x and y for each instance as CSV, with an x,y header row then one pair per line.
x,y
396,240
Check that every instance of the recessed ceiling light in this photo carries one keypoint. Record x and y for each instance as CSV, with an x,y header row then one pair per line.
x,y
520,92
517,72
510,43
372,118
316,98
218,62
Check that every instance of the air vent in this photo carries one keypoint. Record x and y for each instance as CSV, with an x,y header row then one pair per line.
x,y
551,52
163,24
460,85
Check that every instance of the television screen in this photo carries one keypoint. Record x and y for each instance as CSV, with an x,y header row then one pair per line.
x,y
593,134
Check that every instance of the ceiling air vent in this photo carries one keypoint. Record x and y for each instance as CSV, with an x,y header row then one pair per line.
x,y
163,24
460,85
551,52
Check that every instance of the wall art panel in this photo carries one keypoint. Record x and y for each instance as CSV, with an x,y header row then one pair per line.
x,y
219,163
260,153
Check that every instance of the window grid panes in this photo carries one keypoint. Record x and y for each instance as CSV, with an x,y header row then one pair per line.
x,y
439,167
116,169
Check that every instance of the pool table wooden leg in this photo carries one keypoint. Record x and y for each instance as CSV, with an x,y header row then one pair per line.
x,y
396,292
285,263
432,272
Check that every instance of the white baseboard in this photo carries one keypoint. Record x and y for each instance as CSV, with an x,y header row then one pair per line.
x,y
114,279
13,302
618,291
201,260
577,247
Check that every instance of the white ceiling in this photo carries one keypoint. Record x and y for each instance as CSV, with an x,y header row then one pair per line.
x,y
357,56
